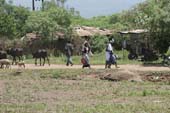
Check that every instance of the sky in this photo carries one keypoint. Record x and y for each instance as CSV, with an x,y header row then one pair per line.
x,y
90,8
26,3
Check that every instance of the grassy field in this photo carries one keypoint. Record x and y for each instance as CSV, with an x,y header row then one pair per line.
x,y
79,91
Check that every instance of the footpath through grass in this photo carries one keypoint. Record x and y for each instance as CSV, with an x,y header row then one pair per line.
x,y
78,91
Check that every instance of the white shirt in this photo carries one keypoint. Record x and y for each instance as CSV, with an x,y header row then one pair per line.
x,y
109,48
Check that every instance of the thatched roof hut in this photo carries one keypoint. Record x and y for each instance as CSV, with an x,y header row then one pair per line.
x,y
136,31
30,37
59,35
138,39
85,31
82,32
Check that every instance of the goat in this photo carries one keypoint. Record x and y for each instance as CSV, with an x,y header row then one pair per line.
x,y
6,62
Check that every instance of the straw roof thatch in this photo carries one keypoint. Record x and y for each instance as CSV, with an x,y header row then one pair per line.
x,y
91,31
82,32
30,36
136,31
34,36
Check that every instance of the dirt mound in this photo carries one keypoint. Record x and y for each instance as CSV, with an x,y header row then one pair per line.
x,y
130,75
121,76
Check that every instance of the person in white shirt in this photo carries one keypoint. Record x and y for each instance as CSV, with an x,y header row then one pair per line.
x,y
110,57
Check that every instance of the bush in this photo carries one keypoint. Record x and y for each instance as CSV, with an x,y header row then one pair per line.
x,y
168,52
118,41
98,43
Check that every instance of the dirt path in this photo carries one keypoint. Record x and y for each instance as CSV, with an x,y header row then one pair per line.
x,y
124,67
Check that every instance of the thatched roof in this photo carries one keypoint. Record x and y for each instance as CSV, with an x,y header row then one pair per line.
x,y
31,36
82,32
34,36
59,35
136,31
91,31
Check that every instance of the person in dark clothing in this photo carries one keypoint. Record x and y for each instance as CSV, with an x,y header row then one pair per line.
x,y
85,55
69,52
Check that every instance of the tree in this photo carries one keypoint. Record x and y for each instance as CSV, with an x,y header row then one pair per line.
x,y
39,22
50,20
98,43
161,25
152,15
8,26
20,15
60,15
62,2
7,21
12,20
114,19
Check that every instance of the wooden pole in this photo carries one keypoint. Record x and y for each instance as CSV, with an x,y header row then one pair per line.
x,y
42,4
33,5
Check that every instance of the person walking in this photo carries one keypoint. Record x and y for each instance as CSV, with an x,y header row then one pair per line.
x,y
110,57
69,52
85,55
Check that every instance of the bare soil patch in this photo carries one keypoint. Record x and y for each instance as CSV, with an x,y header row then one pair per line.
x,y
124,67
133,76
157,78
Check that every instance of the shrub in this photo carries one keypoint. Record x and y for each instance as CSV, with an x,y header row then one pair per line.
x,y
98,43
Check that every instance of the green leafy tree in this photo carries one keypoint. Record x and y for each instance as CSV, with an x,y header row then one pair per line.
x,y
60,16
160,25
12,20
99,43
7,26
47,22
21,15
152,15
40,23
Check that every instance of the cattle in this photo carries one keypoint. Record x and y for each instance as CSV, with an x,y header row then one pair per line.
x,y
15,53
41,54
3,55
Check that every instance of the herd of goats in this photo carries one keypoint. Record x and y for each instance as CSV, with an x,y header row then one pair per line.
x,y
17,53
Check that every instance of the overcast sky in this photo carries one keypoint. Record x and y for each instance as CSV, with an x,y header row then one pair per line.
x,y
90,8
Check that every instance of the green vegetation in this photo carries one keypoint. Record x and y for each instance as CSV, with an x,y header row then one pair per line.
x,y
76,91
102,21
153,15
17,21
